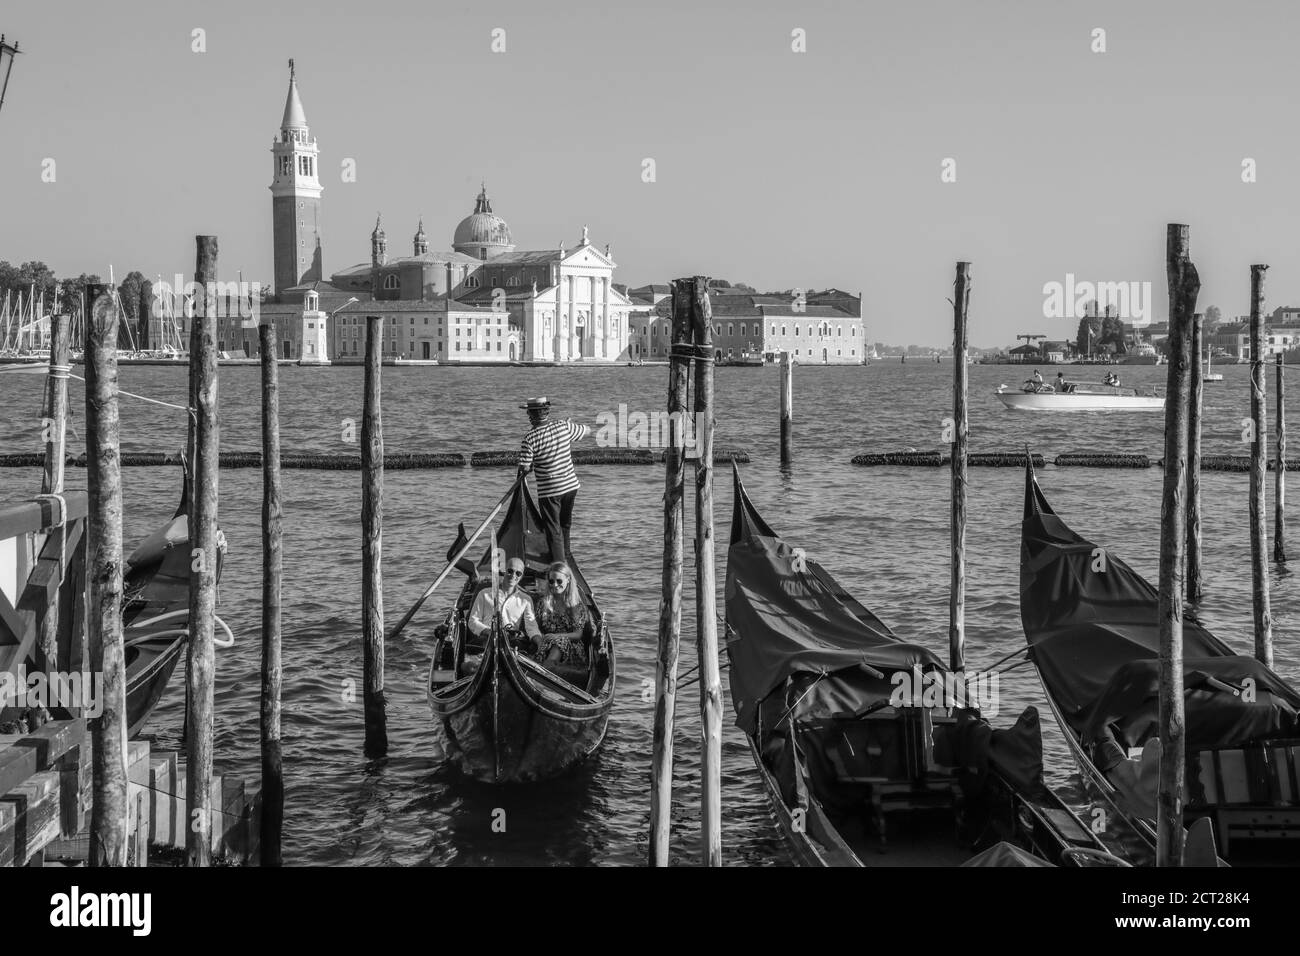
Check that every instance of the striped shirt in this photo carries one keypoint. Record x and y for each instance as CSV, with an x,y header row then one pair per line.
x,y
546,450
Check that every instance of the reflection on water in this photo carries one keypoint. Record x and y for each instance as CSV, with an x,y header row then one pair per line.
x,y
882,531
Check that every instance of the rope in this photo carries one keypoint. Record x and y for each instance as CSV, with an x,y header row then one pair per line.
x,y
145,398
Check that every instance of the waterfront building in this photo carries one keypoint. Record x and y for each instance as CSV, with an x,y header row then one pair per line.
x,y
813,329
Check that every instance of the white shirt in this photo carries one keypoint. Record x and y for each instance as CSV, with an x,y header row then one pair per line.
x,y
514,606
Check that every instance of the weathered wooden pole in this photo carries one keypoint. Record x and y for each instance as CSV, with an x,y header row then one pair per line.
x,y
1279,472
55,427
957,590
670,604
272,564
787,410
706,607
108,815
1184,286
1259,424
1195,582
200,657
372,534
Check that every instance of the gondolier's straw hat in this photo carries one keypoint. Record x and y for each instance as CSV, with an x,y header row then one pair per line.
x,y
536,404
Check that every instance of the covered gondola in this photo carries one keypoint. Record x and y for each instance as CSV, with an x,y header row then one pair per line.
x,y
869,748
1092,624
499,715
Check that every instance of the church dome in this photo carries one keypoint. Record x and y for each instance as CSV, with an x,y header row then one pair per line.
x,y
482,233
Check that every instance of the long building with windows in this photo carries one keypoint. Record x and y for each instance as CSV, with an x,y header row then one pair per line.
x,y
819,328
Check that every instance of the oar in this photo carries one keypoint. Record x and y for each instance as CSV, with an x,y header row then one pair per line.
x,y
406,619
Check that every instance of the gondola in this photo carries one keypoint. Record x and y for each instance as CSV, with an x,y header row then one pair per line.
x,y
155,612
499,715
858,774
1092,628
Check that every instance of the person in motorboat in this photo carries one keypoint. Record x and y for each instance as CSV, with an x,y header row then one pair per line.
x,y
563,618
514,606
1062,386
1038,377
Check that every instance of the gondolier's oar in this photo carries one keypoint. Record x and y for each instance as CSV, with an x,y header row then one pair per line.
x,y
406,619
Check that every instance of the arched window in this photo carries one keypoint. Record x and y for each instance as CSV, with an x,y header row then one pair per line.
x,y
471,282
782,329
731,328
390,282
853,331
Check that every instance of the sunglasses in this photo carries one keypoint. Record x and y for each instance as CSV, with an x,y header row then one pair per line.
x,y
558,580
513,574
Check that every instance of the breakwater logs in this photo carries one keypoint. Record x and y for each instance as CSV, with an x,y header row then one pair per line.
x,y
252,459
1088,459
1237,463
935,459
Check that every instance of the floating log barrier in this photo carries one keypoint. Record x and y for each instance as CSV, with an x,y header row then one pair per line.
x,y
581,456
1235,463
922,459
721,456
252,459
1003,459
1101,460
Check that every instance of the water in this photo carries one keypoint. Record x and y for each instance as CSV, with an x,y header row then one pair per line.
x,y
882,531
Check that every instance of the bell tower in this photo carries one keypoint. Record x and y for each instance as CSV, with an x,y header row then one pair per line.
x,y
295,197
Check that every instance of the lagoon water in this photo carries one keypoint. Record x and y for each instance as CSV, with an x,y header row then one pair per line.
x,y
882,531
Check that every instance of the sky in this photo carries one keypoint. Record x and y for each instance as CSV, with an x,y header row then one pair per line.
x,y
772,167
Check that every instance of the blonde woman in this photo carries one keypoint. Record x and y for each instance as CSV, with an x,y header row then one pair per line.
x,y
563,619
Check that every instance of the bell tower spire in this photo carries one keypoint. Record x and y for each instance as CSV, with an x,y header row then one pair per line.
x,y
295,196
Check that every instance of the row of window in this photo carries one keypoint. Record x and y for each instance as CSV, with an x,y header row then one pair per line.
x,y
823,329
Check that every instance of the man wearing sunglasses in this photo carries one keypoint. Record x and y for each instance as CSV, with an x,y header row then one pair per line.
x,y
515,607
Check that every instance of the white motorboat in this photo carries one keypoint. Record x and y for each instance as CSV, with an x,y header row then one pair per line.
x,y
1080,397
1211,376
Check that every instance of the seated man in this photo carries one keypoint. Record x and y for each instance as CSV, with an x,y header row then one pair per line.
x,y
514,606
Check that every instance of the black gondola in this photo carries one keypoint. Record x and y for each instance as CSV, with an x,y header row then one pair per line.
x,y
857,772
499,715
1092,624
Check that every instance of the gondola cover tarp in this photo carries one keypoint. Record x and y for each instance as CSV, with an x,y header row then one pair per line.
x,y
787,615
1092,623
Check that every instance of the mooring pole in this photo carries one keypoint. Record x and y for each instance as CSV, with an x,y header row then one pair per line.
x,y
706,607
957,590
1258,419
1279,472
372,532
670,604
1184,286
108,815
55,427
203,566
1194,583
787,410
272,565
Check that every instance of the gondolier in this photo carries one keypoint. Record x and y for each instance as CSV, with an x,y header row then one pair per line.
x,y
546,451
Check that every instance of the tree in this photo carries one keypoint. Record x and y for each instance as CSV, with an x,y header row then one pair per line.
x,y
1213,316
1089,336
20,280
1112,333
70,292
146,312
128,333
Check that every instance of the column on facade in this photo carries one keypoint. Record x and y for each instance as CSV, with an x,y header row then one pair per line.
x,y
611,341
597,331
573,325
557,324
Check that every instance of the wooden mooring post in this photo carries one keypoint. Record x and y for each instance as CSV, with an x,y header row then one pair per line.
x,y
1279,472
1194,582
55,427
200,649
706,607
787,410
372,534
1263,617
957,589
670,604
272,566
1184,286
108,828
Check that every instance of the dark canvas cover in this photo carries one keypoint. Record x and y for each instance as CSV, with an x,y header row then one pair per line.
x,y
1092,624
787,615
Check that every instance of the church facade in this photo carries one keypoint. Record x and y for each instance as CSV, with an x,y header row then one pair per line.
x,y
483,300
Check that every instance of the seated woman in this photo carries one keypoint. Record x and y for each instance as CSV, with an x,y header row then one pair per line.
x,y
563,619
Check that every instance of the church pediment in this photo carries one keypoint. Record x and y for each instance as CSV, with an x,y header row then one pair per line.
x,y
587,256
